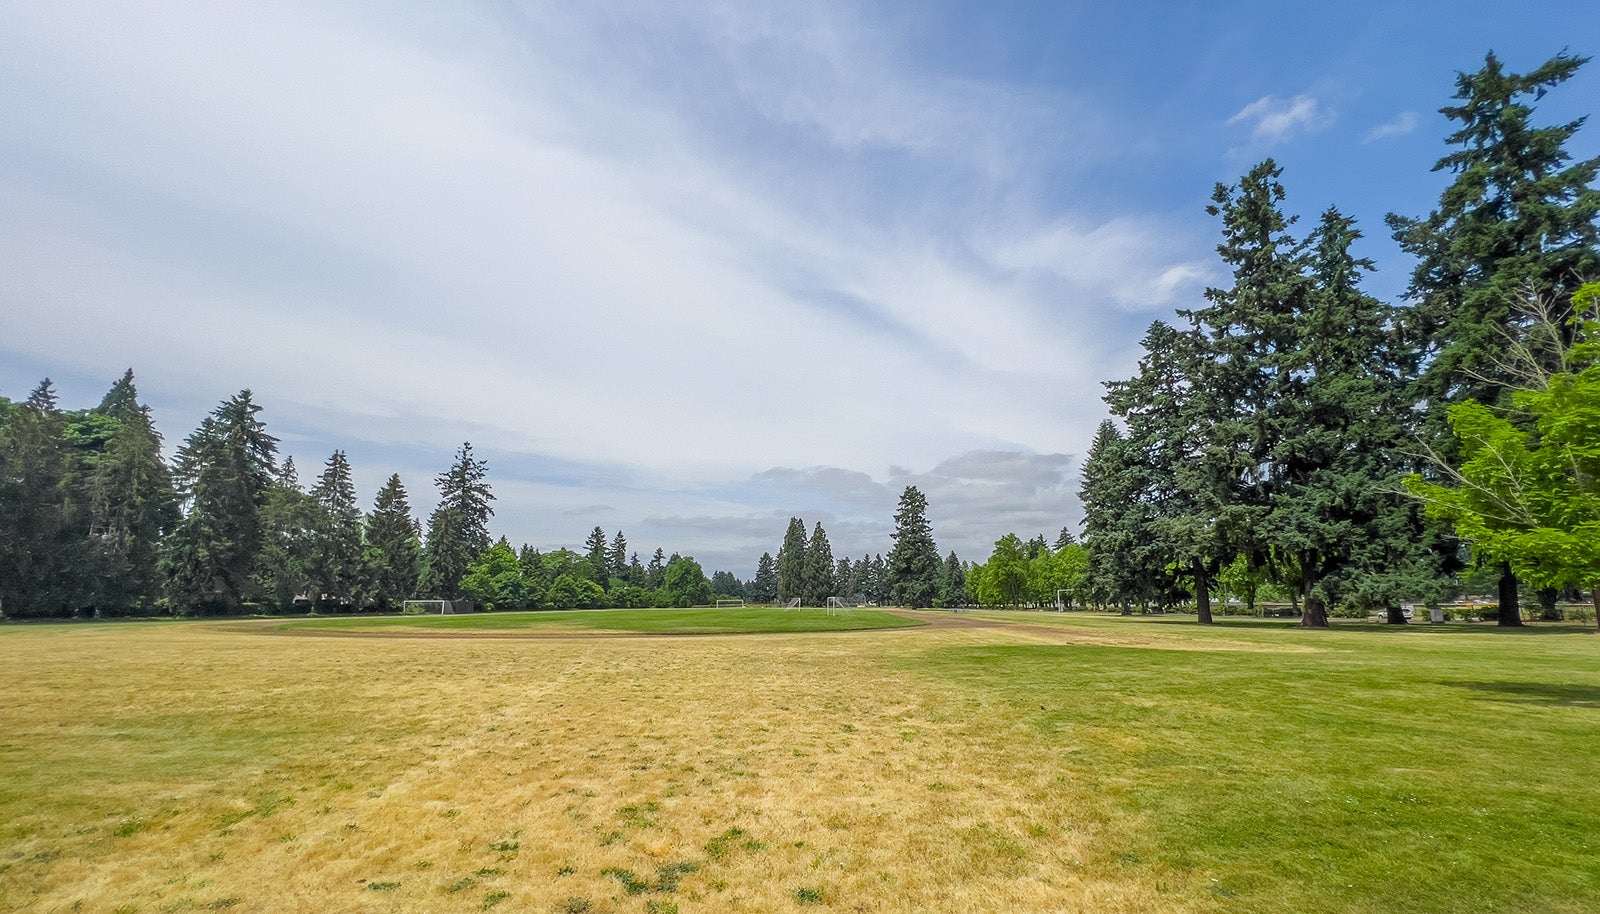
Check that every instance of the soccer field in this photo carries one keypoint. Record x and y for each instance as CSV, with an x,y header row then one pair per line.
x,y
984,762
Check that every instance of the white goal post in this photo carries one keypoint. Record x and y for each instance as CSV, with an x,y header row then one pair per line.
x,y
836,606
730,604
436,607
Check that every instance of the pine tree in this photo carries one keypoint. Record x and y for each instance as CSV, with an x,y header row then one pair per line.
x,y
1064,539
792,562
285,566
338,570
655,572
36,539
817,576
953,580
598,557
764,586
458,529
223,475
393,547
913,568
617,558
1517,221
131,505
1110,490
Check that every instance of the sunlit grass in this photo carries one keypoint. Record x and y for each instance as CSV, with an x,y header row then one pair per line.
x,y
1050,763
745,620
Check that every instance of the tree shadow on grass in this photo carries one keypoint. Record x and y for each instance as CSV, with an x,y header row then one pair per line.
x,y
1540,693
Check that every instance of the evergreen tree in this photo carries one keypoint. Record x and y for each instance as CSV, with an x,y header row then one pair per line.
x,y
1519,219
36,539
655,572
843,583
131,505
1064,539
1110,490
617,558
536,578
878,574
393,547
458,529
291,522
338,572
599,557
792,562
1334,511
913,568
764,586
223,475
636,572
953,580
817,576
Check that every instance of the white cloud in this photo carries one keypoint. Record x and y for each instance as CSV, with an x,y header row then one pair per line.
x,y
1274,119
410,227
1403,123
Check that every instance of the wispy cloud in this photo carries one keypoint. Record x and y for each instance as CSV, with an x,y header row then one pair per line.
x,y
692,242
1274,119
1403,123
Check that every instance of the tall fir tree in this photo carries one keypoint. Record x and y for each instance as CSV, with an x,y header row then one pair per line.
x,y
37,543
764,586
291,520
393,548
599,557
223,475
458,529
617,558
132,506
338,568
792,562
817,575
913,567
1520,219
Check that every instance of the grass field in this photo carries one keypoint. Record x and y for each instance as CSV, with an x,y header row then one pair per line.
x,y
987,762
744,620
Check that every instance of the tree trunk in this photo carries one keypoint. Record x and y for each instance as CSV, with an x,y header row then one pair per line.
x,y
1202,594
1397,616
1594,597
1510,612
1316,614
1548,610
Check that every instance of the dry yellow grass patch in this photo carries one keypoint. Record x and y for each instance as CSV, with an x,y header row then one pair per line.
x,y
183,767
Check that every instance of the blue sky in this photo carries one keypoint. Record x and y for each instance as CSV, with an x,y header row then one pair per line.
x,y
688,269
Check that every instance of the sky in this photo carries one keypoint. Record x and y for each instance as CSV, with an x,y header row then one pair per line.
x,y
686,270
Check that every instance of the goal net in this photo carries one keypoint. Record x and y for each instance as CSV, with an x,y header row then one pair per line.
x,y
837,606
730,604
437,607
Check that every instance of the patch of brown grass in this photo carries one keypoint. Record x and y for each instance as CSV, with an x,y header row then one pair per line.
x,y
184,767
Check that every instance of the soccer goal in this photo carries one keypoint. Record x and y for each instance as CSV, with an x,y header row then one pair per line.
x,y
730,604
837,606
436,607
792,604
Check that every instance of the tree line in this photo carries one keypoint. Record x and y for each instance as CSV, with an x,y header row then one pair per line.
x,y
95,523
1294,431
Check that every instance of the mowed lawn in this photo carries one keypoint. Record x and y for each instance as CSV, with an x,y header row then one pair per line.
x,y
1040,763
743,620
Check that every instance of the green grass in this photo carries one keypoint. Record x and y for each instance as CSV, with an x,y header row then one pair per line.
x,y
748,620
1417,769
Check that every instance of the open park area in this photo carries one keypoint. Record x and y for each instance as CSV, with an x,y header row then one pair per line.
x,y
977,762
